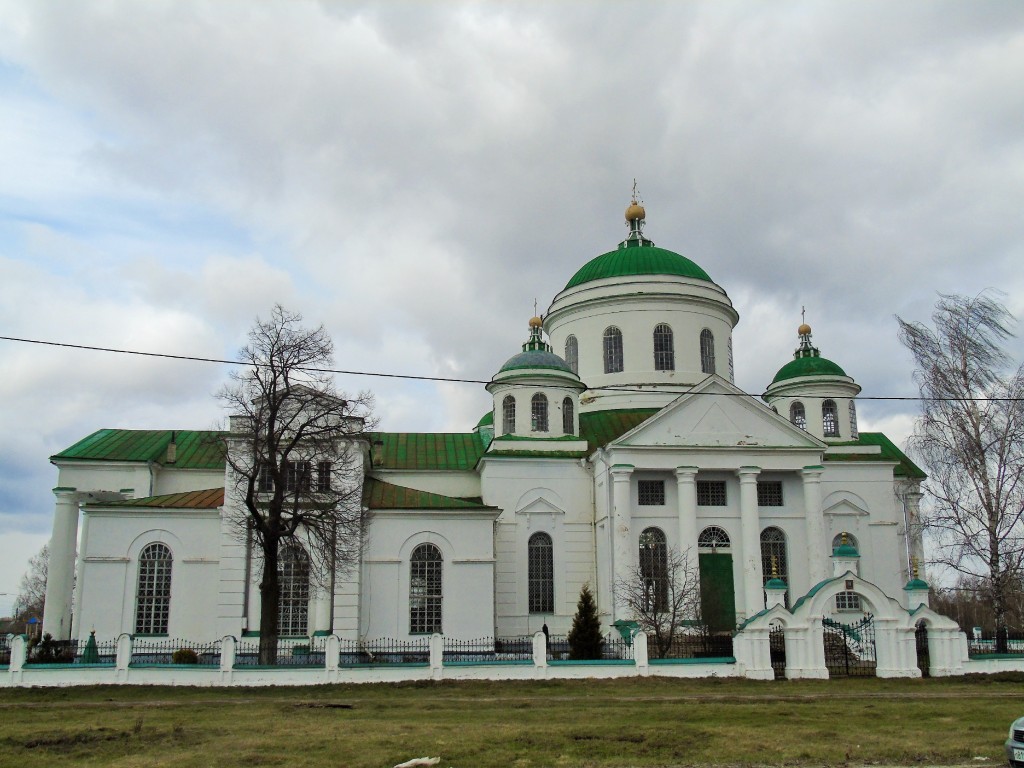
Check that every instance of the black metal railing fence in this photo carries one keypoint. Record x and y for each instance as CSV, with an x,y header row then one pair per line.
x,y
163,651
384,651
487,650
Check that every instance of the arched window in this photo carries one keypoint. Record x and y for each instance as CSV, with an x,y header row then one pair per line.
x,y
293,591
508,415
830,418
713,537
654,569
541,566
539,413
707,351
798,415
568,417
425,590
612,350
153,593
664,350
774,562
572,353
854,432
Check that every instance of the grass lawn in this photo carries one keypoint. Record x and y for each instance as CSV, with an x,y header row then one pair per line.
x,y
634,722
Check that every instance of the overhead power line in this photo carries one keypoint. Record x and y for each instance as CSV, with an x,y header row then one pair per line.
x,y
450,379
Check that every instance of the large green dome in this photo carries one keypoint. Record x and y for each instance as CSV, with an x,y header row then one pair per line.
x,y
536,358
808,366
634,257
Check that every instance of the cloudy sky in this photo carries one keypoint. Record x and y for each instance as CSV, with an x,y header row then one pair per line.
x,y
415,175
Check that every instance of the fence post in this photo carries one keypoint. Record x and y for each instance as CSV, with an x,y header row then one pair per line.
x,y
436,656
640,657
332,650
19,650
540,649
124,652
227,653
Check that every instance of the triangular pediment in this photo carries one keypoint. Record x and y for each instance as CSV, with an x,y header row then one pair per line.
x,y
540,506
717,414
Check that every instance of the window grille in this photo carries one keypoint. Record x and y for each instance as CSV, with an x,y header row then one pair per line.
x,y
797,415
508,415
848,601
774,561
711,493
266,481
713,537
854,432
539,413
769,493
664,351
568,417
732,368
654,569
612,350
425,590
707,351
830,418
572,353
293,591
298,477
540,554
153,593
651,493
323,476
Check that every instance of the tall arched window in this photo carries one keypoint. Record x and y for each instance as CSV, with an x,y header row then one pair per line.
x,y
830,418
798,415
425,590
854,432
539,413
568,417
153,593
774,562
541,567
654,568
508,415
612,350
572,353
713,537
732,368
293,591
707,351
664,350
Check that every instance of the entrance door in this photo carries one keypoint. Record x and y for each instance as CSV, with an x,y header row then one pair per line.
x,y
717,598
850,648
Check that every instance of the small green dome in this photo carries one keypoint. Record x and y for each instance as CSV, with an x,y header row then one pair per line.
x,y
845,550
637,258
487,420
775,583
916,584
808,366
536,358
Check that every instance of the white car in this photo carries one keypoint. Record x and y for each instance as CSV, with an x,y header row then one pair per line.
x,y
1015,743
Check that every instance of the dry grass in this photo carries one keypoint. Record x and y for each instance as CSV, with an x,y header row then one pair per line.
x,y
586,723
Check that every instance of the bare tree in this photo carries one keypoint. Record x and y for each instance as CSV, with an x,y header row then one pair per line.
x,y
662,592
295,458
32,590
970,436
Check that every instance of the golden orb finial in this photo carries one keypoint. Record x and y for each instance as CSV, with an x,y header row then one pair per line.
x,y
635,211
804,329
536,322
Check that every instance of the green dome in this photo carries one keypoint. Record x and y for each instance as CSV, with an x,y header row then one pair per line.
x,y
536,358
916,584
486,420
808,366
634,258
845,550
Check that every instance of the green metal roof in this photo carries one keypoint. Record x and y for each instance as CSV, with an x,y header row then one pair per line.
x,y
426,450
208,499
599,428
808,366
536,358
632,258
904,466
196,449
378,494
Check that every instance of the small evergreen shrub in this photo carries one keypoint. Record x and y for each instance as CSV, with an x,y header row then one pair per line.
x,y
585,640
185,656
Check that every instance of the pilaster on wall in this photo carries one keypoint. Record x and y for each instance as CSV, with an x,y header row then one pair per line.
x,y
750,538
61,574
686,485
816,544
622,539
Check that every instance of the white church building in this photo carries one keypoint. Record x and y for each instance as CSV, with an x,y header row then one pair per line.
x,y
615,437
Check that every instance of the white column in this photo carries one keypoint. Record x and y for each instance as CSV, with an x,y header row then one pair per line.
x,y
622,541
750,537
817,547
686,486
61,574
